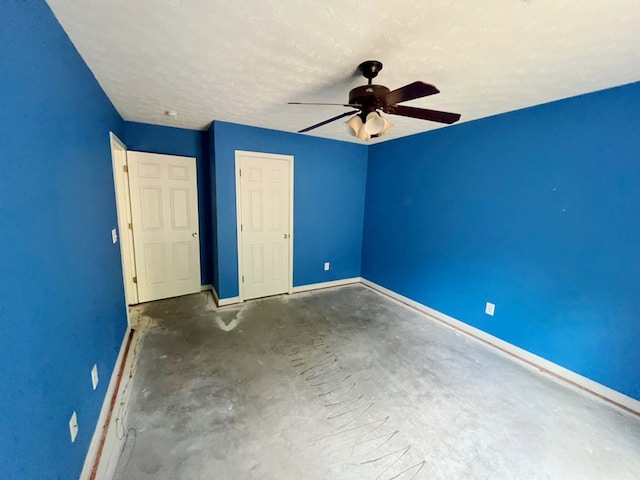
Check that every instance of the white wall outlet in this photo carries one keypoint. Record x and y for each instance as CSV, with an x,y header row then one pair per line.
x,y
114,235
327,265
94,376
490,309
73,426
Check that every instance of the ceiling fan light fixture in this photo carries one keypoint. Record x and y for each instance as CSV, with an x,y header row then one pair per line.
x,y
363,134
387,126
375,123
374,126
355,125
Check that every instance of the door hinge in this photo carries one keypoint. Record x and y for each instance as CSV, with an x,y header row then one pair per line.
x,y
126,168
240,172
241,229
131,226
135,279
242,278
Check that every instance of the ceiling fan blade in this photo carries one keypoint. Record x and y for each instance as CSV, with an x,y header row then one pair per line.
x,y
410,92
423,113
332,119
354,105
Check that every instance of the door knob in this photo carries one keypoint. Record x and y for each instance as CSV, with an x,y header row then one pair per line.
x,y
285,236
194,234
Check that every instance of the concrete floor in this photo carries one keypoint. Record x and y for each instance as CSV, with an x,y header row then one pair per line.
x,y
347,384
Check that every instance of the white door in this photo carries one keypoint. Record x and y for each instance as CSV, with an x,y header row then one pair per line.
x,y
164,212
265,223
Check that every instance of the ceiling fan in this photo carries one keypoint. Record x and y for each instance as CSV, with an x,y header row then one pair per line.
x,y
368,99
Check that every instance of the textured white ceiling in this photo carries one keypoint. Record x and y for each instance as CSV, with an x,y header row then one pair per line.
x,y
242,60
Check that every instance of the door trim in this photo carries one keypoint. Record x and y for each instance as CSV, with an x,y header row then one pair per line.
x,y
123,208
274,156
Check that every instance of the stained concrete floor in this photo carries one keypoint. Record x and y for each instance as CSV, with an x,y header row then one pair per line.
x,y
347,384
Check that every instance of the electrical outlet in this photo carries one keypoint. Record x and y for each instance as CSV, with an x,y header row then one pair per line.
x,y
490,309
114,235
73,427
94,376
326,266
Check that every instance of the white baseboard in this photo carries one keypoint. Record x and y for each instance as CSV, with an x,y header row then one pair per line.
x,y
222,302
317,286
94,446
531,360
116,432
215,296
204,288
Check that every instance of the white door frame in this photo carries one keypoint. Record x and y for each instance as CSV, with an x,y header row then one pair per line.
x,y
289,159
123,207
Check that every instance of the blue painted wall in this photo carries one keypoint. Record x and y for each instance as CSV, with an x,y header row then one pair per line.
x,y
188,143
329,190
534,210
213,227
62,305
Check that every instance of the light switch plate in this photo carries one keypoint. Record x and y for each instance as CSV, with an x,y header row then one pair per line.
x,y
114,235
94,376
490,309
73,426
326,266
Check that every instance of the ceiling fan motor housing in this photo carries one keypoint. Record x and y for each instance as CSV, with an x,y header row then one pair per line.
x,y
371,97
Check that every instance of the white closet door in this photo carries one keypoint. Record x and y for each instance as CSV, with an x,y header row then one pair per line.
x,y
265,189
